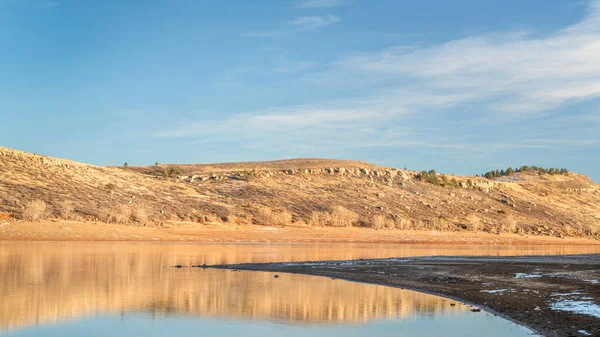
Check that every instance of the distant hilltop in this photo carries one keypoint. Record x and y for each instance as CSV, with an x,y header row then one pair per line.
x,y
299,192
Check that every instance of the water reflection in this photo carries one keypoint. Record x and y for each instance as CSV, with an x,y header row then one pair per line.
x,y
43,283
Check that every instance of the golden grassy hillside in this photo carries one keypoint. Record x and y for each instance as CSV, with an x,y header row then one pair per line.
x,y
299,192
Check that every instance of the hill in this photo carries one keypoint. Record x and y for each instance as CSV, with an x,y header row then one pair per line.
x,y
298,192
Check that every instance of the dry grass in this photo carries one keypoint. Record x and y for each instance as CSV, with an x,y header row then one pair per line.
x,y
122,215
140,214
343,217
378,222
267,217
402,223
544,205
320,219
474,222
510,224
35,210
66,210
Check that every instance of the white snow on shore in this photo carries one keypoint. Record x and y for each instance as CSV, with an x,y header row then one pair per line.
x,y
578,307
525,275
576,292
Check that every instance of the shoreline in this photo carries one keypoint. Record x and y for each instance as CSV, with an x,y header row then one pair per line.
x,y
232,233
526,290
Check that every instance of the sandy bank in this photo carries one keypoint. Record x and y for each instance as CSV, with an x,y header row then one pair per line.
x,y
192,232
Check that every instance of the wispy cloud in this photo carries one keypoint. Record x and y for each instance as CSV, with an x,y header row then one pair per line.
x,y
299,24
312,22
319,3
473,94
516,74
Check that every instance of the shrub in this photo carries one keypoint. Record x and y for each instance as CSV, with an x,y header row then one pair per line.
x,y
378,222
510,224
267,217
442,224
509,171
402,223
35,210
248,175
66,210
122,215
140,215
343,217
474,222
172,172
320,219
430,177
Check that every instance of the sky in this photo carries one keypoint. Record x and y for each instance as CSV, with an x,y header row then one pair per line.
x,y
460,86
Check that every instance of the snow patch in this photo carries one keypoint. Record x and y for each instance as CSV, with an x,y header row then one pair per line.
x,y
494,291
579,307
583,332
593,281
525,275
576,292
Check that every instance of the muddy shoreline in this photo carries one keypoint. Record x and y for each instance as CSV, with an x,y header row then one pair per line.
x,y
553,295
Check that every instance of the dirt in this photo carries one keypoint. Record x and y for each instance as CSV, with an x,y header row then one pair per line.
x,y
218,232
522,289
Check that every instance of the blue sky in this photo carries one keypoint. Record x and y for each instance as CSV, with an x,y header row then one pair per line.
x,y
458,86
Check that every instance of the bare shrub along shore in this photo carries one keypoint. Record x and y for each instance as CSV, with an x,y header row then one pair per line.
x,y
300,192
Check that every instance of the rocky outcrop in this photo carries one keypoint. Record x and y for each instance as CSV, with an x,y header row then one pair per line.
x,y
388,176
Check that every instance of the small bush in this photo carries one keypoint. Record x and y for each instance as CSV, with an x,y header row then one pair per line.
x,y
320,219
475,223
172,172
510,224
66,210
441,224
402,223
35,210
378,222
343,217
140,215
267,217
122,215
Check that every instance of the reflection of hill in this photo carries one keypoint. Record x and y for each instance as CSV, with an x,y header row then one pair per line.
x,y
51,282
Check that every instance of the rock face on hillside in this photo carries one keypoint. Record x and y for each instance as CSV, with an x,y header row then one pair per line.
x,y
303,192
388,176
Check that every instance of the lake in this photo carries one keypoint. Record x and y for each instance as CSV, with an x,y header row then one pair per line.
x,y
124,289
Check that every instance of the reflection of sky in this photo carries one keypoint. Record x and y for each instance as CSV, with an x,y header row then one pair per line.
x,y
466,324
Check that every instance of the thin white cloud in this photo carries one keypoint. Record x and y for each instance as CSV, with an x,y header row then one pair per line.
x,y
320,3
299,24
480,93
518,74
312,22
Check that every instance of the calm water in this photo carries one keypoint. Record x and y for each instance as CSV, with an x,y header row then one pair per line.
x,y
124,289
